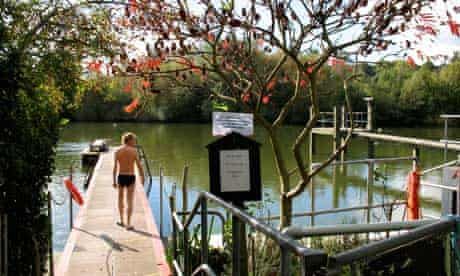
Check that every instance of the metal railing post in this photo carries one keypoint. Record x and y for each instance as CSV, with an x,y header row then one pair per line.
x,y
285,262
446,138
70,200
161,202
370,183
184,192
236,268
50,229
312,203
187,261
172,204
204,231
337,132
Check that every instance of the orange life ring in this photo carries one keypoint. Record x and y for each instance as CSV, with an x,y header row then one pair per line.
x,y
73,191
413,200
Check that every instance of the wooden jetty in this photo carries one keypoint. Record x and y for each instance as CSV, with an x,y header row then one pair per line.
x,y
98,246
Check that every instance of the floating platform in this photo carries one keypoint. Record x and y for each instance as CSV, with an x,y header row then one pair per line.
x,y
90,155
98,246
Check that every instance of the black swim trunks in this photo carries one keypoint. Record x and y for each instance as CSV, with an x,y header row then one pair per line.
x,y
126,180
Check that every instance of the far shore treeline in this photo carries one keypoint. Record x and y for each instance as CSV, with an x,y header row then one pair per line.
x,y
404,95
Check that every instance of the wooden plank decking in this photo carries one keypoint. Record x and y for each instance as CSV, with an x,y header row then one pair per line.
x,y
97,246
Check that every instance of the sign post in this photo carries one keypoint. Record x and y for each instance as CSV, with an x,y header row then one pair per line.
x,y
234,172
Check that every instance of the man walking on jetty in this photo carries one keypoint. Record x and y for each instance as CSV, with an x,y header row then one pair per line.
x,y
124,176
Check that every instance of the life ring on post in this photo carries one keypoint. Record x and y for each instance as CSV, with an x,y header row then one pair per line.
x,y
73,191
413,200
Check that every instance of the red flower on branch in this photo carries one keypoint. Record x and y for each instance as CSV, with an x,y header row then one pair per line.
x,y
411,62
454,27
132,106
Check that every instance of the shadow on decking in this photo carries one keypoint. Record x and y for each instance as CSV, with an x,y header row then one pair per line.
x,y
111,242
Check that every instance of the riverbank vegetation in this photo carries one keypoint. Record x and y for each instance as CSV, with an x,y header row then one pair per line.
x,y
404,95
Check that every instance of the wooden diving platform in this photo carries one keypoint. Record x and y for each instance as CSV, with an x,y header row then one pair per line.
x,y
98,246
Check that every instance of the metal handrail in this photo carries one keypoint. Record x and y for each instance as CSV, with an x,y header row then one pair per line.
x,y
443,165
297,232
210,212
384,246
340,210
369,160
143,157
311,257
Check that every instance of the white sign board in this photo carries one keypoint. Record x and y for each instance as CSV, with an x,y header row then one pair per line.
x,y
225,122
234,171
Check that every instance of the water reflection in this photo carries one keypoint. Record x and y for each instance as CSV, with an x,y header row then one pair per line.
x,y
175,145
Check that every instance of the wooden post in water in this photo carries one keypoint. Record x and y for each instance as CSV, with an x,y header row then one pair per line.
x,y
312,203
184,193
370,184
311,144
370,127
70,200
161,201
342,139
416,156
337,133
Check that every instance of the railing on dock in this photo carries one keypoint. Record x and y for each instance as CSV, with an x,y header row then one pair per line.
x,y
373,254
371,162
311,259
191,259
146,164
455,190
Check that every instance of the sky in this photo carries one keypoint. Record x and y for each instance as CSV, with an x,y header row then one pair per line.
x,y
444,44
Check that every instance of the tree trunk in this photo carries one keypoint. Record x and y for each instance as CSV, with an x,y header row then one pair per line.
x,y
285,203
286,206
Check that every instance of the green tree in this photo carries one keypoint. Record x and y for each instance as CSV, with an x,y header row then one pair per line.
x,y
41,46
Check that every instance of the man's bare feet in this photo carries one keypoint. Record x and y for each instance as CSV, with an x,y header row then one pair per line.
x,y
129,227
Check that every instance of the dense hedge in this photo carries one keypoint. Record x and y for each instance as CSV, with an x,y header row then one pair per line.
x,y
30,123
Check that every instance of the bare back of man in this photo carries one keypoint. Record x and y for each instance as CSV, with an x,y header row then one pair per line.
x,y
124,175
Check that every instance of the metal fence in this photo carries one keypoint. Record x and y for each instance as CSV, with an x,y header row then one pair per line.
x,y
294,248
310,259
400,247
3,244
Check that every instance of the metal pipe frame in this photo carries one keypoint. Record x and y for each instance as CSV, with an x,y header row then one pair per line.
x,y
443,187
384,246
369,160
209,212
338,210
312,257
345,229
406,140
448,164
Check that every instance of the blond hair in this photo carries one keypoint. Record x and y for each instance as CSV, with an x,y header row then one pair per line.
x,y
126,137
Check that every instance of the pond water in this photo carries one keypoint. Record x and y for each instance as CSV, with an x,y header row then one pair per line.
x,y
174,145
